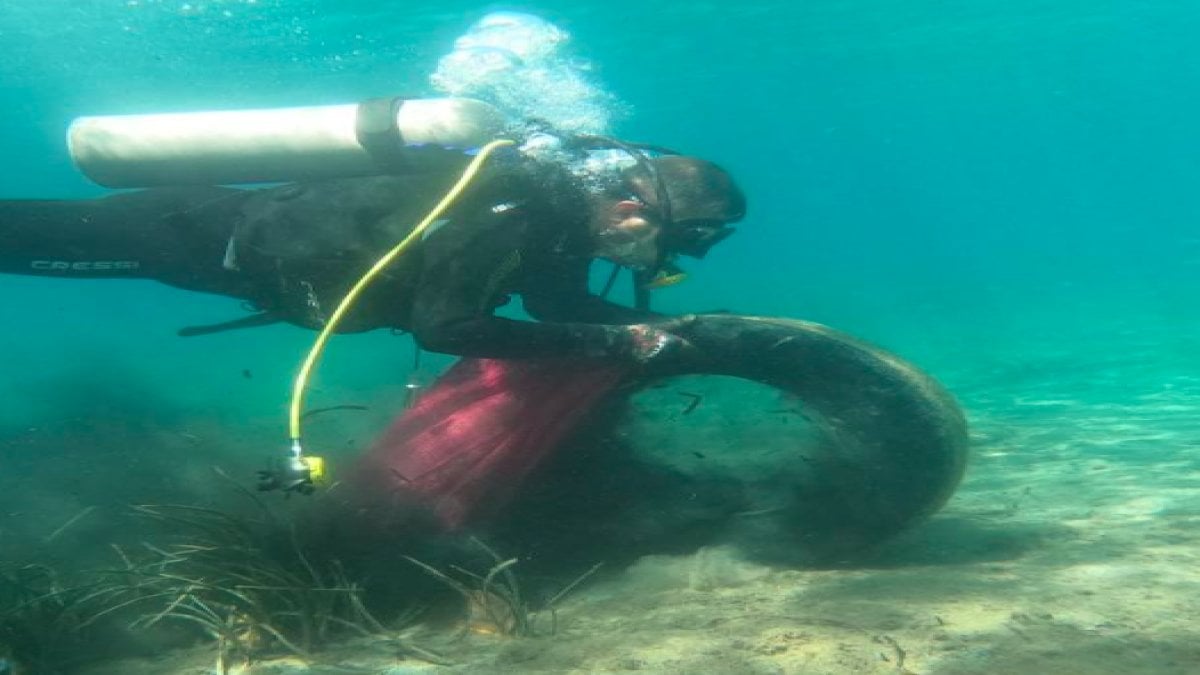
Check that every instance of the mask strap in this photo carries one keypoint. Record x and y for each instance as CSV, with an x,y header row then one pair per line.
x,y
639,153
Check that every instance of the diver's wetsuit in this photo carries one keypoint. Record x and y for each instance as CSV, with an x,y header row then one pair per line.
x,y
294,250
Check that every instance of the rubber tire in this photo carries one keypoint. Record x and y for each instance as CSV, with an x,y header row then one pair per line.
x,y
898,440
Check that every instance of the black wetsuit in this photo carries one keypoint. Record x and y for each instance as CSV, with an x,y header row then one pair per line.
x,y
292,251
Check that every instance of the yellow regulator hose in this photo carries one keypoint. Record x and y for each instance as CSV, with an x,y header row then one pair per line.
x,y
314,464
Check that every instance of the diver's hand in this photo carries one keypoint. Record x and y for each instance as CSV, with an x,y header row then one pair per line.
x,y
657,343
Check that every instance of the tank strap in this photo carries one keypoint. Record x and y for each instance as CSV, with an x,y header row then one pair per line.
x,y
377,132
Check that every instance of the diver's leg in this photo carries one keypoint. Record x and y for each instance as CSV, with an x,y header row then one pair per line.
x,y
173,235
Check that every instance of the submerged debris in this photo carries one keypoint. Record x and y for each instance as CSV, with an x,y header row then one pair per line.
x,y
695,401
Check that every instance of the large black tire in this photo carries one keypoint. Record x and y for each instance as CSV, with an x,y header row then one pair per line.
x,y
889,449
896,440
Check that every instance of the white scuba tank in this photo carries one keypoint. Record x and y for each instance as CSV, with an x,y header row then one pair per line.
x,y
282,144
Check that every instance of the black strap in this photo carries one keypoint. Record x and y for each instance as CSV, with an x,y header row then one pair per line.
x,y
641,290
376,130
612,281
254,321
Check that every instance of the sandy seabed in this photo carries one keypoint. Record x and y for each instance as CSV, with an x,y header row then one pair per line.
x,y
1073,547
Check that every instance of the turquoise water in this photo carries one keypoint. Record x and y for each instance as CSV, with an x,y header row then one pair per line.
x,y
1002,192
918,171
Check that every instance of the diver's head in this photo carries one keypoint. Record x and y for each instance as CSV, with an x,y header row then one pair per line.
x,y
665,206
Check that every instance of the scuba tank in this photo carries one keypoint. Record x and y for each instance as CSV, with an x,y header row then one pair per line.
x,y
376,136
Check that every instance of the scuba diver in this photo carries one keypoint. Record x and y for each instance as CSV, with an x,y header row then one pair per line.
x,y
529,222
529,226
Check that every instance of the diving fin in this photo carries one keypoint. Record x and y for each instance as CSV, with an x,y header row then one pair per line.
x,y
253,321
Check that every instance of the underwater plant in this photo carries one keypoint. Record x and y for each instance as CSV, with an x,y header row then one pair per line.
x,y
493,600
42,621
246,584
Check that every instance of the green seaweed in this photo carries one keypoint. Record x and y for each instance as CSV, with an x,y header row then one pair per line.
x,y
42,619
495,596
244,583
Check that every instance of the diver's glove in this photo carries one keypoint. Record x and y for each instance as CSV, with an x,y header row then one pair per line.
x,y
647,343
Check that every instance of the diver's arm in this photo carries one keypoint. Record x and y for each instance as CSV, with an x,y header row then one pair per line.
x,y
464,270
495,337
587,308
560,293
